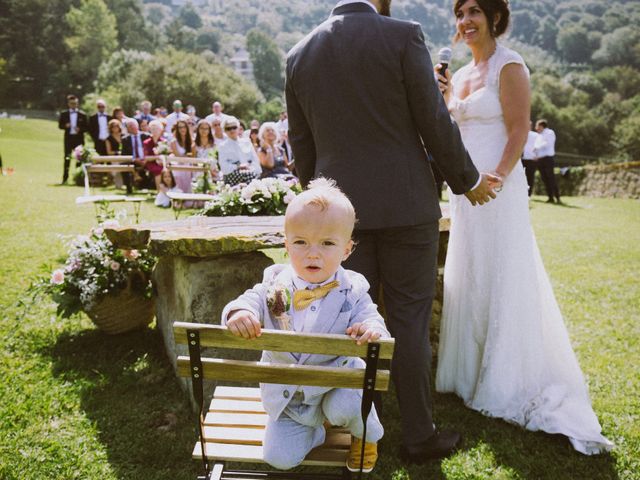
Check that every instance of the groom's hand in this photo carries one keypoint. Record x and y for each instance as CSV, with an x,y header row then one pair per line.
x,y
483,193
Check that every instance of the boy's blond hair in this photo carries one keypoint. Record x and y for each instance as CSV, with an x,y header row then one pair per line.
x,y
322,193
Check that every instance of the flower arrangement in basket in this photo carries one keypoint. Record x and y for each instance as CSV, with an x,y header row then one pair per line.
x,y
268,196
83,155
112,286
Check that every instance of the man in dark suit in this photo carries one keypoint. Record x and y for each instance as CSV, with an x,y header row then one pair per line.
x,y
363,105
74,124
99,127
132,145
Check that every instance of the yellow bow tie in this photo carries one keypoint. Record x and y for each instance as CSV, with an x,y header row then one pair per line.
x,y
303,298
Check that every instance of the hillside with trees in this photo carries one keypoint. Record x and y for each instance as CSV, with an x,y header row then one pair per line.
x,y
584,56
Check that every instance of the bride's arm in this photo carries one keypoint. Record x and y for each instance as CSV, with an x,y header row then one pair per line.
x,y
515,98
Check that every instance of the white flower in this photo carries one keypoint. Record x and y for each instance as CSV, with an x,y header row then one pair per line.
x,y
57,277
110,224
115,266
288,197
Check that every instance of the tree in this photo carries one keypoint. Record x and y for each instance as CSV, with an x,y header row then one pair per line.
x,y
195,79
133,31
620,47
189,17
626,137
267,63
93,37
574,44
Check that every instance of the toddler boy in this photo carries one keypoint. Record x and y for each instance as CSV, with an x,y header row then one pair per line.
x,y
326,298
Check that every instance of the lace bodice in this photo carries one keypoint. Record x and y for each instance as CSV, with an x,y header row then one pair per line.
x,y
482,105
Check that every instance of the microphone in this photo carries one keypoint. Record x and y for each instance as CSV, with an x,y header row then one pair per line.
x,y
444,57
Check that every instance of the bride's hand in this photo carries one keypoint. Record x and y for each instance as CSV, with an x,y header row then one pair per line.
x,y
443,80
495,181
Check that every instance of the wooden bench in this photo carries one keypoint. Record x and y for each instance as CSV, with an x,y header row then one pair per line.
x,y
107,165
232,426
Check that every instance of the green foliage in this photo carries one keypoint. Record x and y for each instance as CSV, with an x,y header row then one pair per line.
x,y
134,32
267,63
195,79
92,39
189,17
626,137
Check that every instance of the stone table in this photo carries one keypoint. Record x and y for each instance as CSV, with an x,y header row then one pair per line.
x,y
205,262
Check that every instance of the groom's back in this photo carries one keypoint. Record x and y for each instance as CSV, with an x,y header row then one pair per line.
x,y
349,80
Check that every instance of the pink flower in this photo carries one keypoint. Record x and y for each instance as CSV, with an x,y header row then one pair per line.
x,y
115,266
131,254
57,277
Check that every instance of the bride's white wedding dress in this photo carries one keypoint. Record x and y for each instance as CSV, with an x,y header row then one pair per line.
x,y
503,345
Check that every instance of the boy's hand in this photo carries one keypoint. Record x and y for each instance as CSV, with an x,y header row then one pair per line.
x,y
362,334
243,323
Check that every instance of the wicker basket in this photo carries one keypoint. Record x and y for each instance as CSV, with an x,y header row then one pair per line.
x,y
122,311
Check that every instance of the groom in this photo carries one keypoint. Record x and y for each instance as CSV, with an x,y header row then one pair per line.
x,y
363,106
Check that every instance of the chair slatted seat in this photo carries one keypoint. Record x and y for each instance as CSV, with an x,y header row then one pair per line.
x,y
232,427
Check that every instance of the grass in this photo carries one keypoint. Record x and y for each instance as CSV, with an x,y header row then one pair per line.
x,y
77,404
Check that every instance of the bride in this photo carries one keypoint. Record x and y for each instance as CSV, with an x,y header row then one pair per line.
x,y
503,347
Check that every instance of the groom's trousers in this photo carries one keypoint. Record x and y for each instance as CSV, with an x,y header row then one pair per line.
x,y
404,261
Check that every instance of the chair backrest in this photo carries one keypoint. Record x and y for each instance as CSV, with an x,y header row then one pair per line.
x,y
112,159
207,335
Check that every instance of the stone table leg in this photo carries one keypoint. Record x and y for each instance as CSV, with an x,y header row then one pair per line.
x,y
192,289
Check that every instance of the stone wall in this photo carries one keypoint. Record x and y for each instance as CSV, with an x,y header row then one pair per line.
x,y
617,180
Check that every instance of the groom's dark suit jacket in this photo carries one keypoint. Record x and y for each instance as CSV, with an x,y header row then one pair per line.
x,y
363,104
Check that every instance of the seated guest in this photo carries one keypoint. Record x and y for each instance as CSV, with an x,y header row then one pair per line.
x,y
145,112
253,138
113,143
181,146
118,114
167,184
204,146
238,160
273,158
154,166
143,125
133,145
175,116
216,113
99,127
218,132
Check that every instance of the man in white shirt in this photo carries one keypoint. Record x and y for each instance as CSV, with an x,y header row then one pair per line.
x,y
173,118
74,123
529,161
545,151
216,109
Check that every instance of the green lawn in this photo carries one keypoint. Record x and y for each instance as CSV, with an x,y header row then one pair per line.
x,y
77,404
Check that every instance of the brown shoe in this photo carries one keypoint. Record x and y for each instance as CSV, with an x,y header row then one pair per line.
x,y
370,455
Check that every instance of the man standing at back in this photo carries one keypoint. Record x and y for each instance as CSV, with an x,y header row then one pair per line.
x,y
363,105
74,123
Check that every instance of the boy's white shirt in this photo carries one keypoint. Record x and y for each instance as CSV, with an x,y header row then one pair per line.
x,y
344,305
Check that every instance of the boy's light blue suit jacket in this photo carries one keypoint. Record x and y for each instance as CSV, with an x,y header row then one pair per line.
x,y
343,306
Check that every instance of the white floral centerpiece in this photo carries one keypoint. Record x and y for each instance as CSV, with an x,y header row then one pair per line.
x,y
268,196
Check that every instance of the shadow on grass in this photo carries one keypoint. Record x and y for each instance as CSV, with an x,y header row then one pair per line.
x,y
145,424
563,204
491,449
130,393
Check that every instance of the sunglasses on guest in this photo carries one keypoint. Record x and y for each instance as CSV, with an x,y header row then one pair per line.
x,y
234,127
